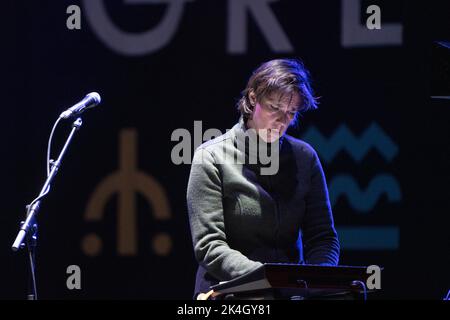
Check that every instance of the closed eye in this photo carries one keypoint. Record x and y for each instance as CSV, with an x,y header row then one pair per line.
x,y
273,107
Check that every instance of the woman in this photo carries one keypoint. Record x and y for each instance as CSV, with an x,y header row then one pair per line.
x,y
241,217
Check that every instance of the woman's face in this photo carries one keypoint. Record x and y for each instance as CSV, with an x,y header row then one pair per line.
x,y
272,116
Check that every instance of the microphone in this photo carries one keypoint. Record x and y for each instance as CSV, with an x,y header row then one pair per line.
x,y
91,100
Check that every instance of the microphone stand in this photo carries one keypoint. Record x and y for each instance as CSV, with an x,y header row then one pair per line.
x,y
28,229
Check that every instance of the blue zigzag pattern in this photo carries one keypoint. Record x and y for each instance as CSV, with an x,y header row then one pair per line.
x,y
343,139
364,201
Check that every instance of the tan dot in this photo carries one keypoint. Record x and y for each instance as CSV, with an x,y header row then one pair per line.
x,y
162,244
92,245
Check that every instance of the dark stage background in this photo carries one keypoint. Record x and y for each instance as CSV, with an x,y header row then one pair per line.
x,y
117,209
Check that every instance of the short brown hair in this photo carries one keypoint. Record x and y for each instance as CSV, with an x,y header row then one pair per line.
x,y
279,75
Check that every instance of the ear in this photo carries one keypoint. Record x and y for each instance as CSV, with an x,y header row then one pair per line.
x,y
252,97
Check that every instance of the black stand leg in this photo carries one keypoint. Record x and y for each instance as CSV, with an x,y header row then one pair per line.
x,y
31,245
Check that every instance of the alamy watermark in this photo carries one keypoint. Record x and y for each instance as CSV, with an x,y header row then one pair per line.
x,y
73,281
374,280
73,21
249,148
374,21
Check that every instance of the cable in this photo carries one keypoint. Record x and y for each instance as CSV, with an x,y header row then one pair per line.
x,y
363,287
49,146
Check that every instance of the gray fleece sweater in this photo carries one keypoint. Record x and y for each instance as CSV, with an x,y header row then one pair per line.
x,y
240,218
